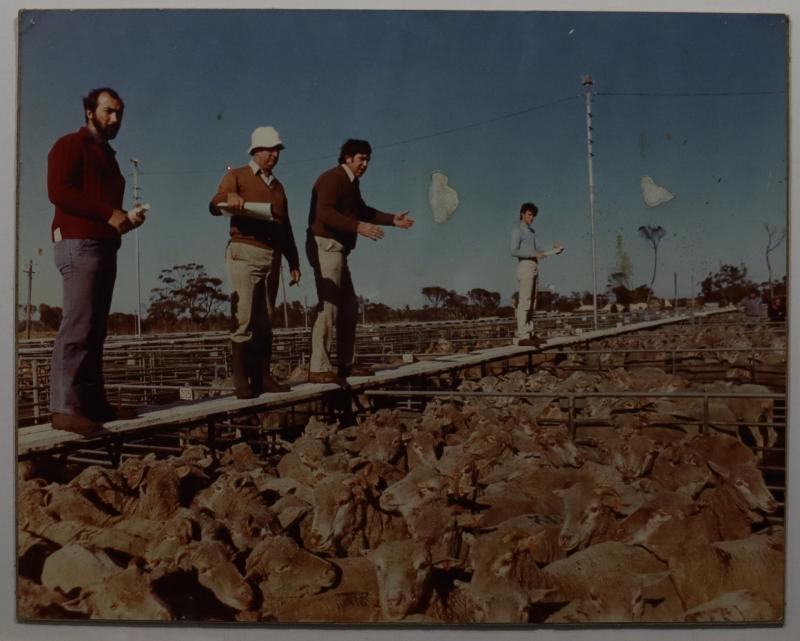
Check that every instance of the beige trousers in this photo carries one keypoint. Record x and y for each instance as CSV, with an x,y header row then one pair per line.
x,y
527,275
253,273
337,305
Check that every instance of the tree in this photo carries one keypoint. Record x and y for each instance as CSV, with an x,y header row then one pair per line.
x,y
653,235
730,284
484,300
624,267
188,294
121,323
456,302
50,317
435,295
775,237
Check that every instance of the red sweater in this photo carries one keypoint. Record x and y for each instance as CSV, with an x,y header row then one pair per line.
x,y
337,208
85,185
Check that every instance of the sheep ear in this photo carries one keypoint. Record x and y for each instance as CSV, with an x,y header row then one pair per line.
x,y
718,470
536,595
183,471
609,498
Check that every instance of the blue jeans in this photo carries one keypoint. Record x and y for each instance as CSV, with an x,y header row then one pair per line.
x,y
88,271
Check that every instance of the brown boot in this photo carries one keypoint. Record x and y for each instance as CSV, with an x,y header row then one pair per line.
x,y
241,384
74,423
533,341
258,369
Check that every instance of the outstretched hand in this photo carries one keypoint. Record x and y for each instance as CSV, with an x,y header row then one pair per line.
x,y
368,230
402,220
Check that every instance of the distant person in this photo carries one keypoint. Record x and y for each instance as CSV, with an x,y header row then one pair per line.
x,y
336,216
253,260
86,186
527,253
751,306
777,309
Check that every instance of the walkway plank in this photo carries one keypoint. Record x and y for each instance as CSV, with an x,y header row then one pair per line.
x,y
43,438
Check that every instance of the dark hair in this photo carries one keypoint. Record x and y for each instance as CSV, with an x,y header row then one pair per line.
x,y
90,101
528,207
353,147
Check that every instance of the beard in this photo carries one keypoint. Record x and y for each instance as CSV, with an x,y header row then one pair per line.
x,y
107,132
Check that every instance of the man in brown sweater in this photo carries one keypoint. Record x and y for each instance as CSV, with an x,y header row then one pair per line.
x,y
337,215
253,260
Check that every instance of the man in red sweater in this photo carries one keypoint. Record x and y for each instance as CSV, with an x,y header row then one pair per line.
x,y
253,260
337,215
86,186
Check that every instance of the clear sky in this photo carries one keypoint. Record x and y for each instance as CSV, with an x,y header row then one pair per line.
x,y
493,99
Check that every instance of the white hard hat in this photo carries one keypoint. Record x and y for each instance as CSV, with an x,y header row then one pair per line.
x,y
264,137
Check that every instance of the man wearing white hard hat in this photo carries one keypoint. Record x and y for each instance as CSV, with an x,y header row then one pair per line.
x,y
260,234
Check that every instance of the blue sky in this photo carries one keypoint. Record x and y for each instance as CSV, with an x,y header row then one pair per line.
x,y
493,99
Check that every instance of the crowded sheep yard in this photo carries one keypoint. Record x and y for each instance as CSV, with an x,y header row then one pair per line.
x,y
633,473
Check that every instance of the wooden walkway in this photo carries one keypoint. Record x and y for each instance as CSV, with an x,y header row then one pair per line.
x,y
36,439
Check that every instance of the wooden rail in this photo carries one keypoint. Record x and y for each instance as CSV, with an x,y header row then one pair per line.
x,y
37,439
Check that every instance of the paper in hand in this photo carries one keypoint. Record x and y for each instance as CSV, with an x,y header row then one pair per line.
x,y
257,211
553,251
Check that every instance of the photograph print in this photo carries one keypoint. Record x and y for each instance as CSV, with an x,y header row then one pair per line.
x,y
408,317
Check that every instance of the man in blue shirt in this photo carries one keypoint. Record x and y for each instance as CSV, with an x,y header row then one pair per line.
x,y
523,247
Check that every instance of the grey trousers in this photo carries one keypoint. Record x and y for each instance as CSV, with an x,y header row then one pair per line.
x,y
88,271
337,305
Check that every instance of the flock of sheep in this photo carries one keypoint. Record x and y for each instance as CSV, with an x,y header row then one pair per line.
x,y
479,509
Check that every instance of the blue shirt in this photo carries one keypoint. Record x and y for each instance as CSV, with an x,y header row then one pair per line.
x,y
523,242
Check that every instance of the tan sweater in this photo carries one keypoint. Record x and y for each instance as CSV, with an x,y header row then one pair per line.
x,y
275,235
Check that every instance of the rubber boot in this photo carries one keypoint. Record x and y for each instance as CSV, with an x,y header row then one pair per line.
x,y
239,360
261,379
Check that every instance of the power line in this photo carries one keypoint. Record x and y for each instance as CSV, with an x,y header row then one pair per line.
x,y
479,123
487,121
397,143
699,94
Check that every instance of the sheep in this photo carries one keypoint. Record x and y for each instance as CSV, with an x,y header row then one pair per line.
x,y
339,514
352,599
283,569
589,511
612,563
403,571
125,595
702,571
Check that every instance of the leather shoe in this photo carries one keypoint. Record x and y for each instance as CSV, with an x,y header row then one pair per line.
x,y
109,413
533,341
269,384
74,423
326,377
356,370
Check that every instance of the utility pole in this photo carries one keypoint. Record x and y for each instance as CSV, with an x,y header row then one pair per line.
x,y
587,86
30,273
137,202
675,308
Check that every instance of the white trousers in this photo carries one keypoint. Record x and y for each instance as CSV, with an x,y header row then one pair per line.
x,y
528,277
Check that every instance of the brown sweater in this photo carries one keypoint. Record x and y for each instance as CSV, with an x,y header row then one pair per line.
x,y
337,208
276,234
